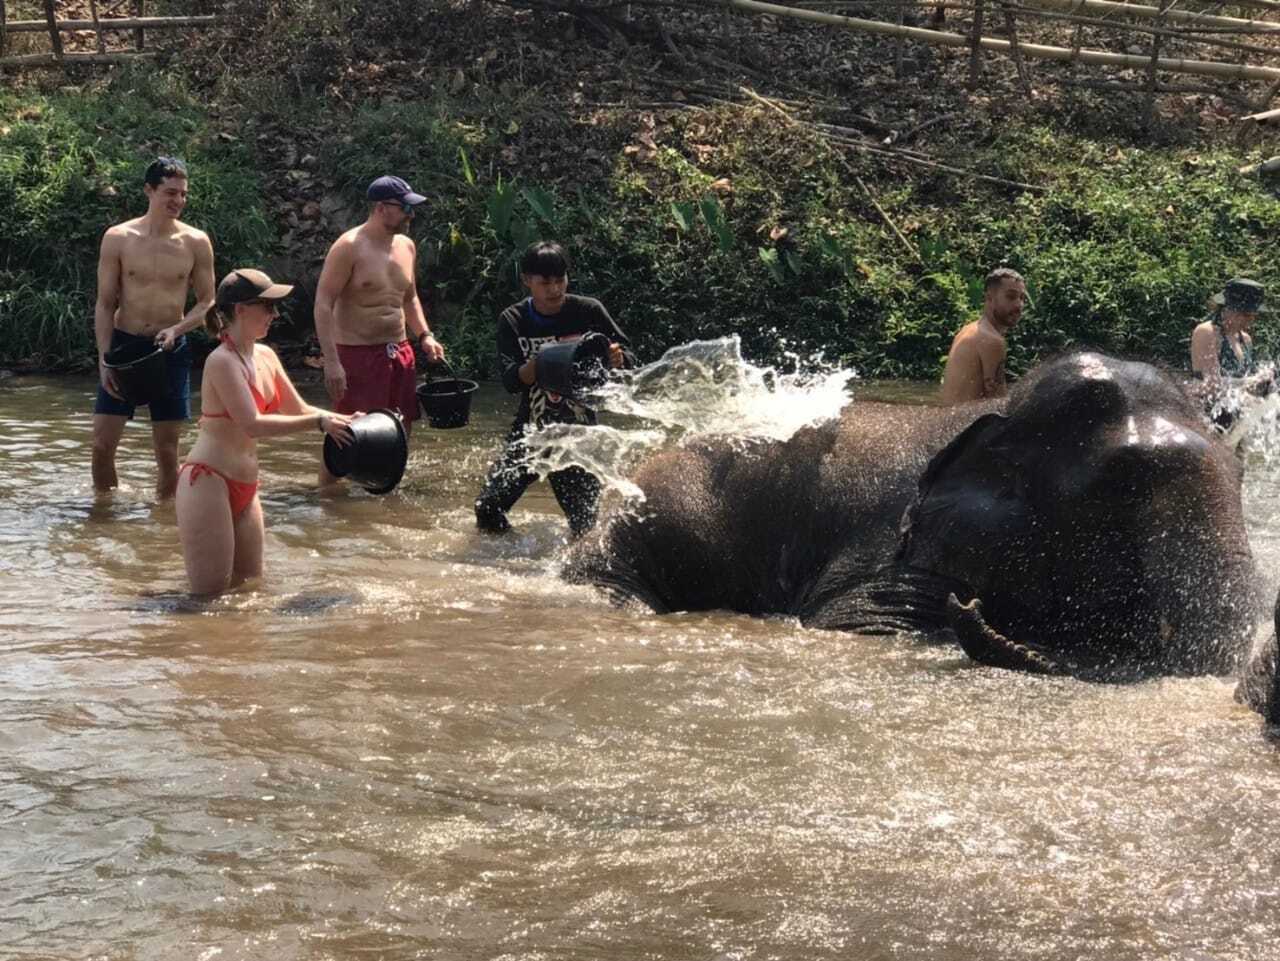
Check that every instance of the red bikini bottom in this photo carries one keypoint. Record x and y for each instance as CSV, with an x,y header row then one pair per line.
x,y
238,492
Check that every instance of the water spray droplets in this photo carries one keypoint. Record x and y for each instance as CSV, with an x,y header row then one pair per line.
x,y
694,390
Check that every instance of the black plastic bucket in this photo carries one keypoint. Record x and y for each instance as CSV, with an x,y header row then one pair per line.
x,y
142,375
573,368
376,459
446,401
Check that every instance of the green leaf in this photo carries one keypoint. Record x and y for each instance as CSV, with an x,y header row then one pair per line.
x,y
543,203
829,245
500,202
467,173
523,233
712,212
769,257
794,262
683,214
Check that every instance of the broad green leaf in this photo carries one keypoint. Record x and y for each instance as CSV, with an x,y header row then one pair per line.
x,y
542,203
500,203
683,214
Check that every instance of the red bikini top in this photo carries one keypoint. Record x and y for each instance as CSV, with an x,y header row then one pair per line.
x,y
264,406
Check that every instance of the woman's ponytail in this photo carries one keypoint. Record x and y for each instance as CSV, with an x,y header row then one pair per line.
x,y
214,321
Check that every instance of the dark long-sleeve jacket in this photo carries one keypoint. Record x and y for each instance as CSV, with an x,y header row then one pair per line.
x,y
522,332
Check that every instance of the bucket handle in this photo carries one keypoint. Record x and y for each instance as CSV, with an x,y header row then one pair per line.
x,y
440,363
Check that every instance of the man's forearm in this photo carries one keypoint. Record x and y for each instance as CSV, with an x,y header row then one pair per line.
x,y
195,317
324,331
103,326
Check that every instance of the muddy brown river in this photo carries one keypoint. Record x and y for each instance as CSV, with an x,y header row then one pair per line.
x,y
414,741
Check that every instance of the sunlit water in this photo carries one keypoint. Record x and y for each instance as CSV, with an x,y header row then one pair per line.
x,y
412,740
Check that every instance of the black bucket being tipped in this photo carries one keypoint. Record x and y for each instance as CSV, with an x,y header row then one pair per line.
x,y
574,368
446,401
142,376
376,459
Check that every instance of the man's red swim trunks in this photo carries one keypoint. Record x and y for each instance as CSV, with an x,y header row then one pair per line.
x,y
378,376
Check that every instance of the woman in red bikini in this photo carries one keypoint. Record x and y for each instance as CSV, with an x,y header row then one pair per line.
x,y
245,394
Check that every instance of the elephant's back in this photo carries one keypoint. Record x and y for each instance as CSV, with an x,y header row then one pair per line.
x,y
750,526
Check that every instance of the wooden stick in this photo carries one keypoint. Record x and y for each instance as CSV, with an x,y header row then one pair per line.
x,y
54,37
1209,68
3,29
1151,70
1265,117
114,23
1263,102
1011,27
51,60
93,12
848,167
935,165
975,48
138,34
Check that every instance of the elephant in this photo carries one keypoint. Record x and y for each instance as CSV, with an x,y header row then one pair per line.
x,y
1088,524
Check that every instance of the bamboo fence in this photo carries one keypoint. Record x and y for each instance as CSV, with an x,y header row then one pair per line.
x,y
58,55
1247,47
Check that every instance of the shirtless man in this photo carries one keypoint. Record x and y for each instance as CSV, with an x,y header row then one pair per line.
x,y
146,267
975,365
368,315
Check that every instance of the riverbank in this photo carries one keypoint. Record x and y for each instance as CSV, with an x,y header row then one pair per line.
x,y
696,203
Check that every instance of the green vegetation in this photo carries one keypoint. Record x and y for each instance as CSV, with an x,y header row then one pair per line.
x,y
726,220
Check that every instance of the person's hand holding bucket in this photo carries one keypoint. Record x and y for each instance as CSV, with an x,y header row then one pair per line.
x,y
338,427
167,338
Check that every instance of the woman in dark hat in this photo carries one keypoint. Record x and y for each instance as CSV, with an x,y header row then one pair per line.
x,y
1221,348
245,394
1221,345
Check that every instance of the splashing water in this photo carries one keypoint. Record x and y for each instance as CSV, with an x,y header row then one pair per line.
x,y
706,387
701,388
607,452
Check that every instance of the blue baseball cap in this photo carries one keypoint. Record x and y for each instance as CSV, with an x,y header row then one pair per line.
x,y
393,188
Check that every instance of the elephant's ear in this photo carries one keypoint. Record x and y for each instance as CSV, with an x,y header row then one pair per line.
x,y
981,432
974,484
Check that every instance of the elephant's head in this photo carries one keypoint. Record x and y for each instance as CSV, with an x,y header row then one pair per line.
x,y
1098,521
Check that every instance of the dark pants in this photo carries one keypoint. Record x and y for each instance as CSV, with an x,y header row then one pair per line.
x,y
577,492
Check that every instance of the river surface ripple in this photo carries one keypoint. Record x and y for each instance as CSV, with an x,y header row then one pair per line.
x,y
414,741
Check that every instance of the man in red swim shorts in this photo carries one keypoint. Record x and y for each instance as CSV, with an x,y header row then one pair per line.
x,y
368,315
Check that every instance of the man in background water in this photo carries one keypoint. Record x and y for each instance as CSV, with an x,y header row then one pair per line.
x,y
975,365
146,267
367,312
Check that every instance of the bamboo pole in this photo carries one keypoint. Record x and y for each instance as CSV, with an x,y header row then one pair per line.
x,y
1112,8
113,23
1205,68
1182,35
138,34
54,37
1265,117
